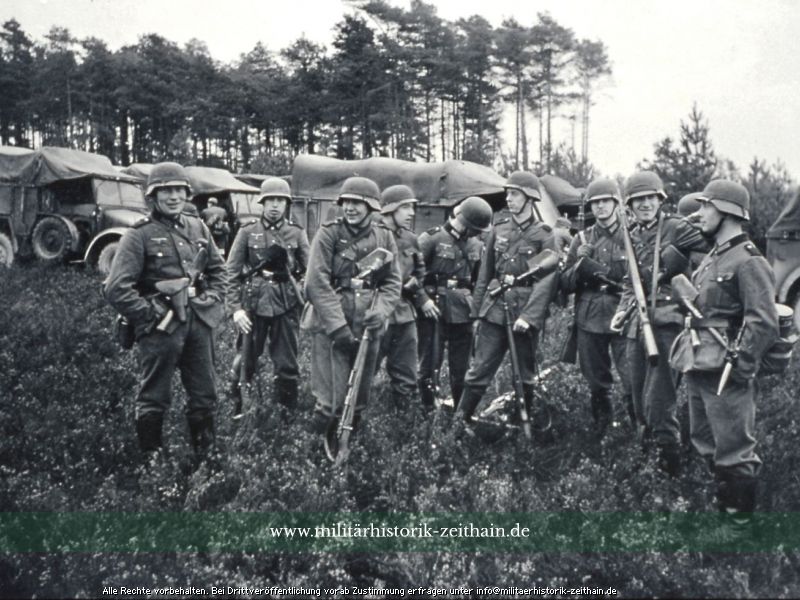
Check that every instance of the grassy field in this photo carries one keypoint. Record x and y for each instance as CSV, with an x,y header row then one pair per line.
x,y
67,445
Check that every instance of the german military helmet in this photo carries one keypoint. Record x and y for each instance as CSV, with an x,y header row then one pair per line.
x,y
167,174
602,189
689,204
275,187
727,197
475,212
644,183
360,188
396,196
525,182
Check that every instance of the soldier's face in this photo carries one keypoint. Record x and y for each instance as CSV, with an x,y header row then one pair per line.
x,y
355,211
274,208
516,200
404,215
603,209
709,218
645,208
171,200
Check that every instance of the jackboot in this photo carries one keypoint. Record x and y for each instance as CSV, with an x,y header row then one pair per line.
x,y
627,402
426,393
201,431
148,430
736,498
602,412
539,414
286,392
468,402
458,390
669,459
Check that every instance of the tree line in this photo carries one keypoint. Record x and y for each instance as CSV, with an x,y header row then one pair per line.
x,y
395,82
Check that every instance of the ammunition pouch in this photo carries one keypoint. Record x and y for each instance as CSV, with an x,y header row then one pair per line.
x,y
778,356
673,261
125,332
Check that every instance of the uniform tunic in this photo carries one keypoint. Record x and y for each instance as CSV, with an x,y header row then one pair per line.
x,y
336,249
653,386
158,249
595,304
451,265
508,248
399,343
269,299
736,288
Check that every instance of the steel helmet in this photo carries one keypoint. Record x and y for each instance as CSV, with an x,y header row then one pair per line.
x,y
275,187
360,188
727,197
644,183
475,212
602,189
167,174
395,196
525,182
689,204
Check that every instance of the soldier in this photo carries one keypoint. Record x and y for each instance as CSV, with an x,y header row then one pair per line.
x,y
340,302
176,329
736,294
594,269
452,255
263,296
510,245
662,244
399,344
216,219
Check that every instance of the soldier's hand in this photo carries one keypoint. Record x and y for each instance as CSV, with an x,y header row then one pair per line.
x,y
373,319
242,321
343,338
430,310
411,284
585,250
521,325
617,321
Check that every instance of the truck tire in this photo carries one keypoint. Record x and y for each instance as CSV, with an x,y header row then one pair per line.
x,y
53,239
6,251
106,257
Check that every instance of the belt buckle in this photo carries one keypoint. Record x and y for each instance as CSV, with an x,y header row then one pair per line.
x,y
687,322
356,283
191,291
452,284
603,288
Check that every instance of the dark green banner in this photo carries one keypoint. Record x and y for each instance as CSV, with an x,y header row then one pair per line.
x,y
396,532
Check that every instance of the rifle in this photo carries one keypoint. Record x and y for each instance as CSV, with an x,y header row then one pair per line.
x,y
641,303
515,376
435,383
176,291
543,263
338,448
244,401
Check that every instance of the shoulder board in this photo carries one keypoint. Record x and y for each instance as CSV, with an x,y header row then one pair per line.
x,y
751,249
381,225
434,229
250,222
141,222
546,227
501,221
293,224
336,221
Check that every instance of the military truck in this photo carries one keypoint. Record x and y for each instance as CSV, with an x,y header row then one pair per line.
x,y
58,204
316,181
783,253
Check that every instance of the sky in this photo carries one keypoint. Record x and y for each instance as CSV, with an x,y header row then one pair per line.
x,y
734,58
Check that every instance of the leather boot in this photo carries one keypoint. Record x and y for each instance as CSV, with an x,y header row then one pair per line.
x,y
468,402
148,430
201,431
286,392
319,422
669,459
426,393
539,414
601,412
627,401
458,390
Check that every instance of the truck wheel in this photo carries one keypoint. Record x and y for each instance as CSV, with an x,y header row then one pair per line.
x,y
6,251
106,257
53,239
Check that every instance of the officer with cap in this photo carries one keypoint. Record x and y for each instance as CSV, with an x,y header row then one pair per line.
x,y
167,246
267,258
339,301
662,244
452,254
594,269
736,296
216,218
399,344
510,245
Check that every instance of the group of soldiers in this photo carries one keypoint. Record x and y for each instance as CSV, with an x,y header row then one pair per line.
x,y
470,287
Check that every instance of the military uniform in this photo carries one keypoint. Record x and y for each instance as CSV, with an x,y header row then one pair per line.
x,y
736,288
154,250
451,264
596,302
216,218
653,386
336,301
269,298
399,343
508,248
